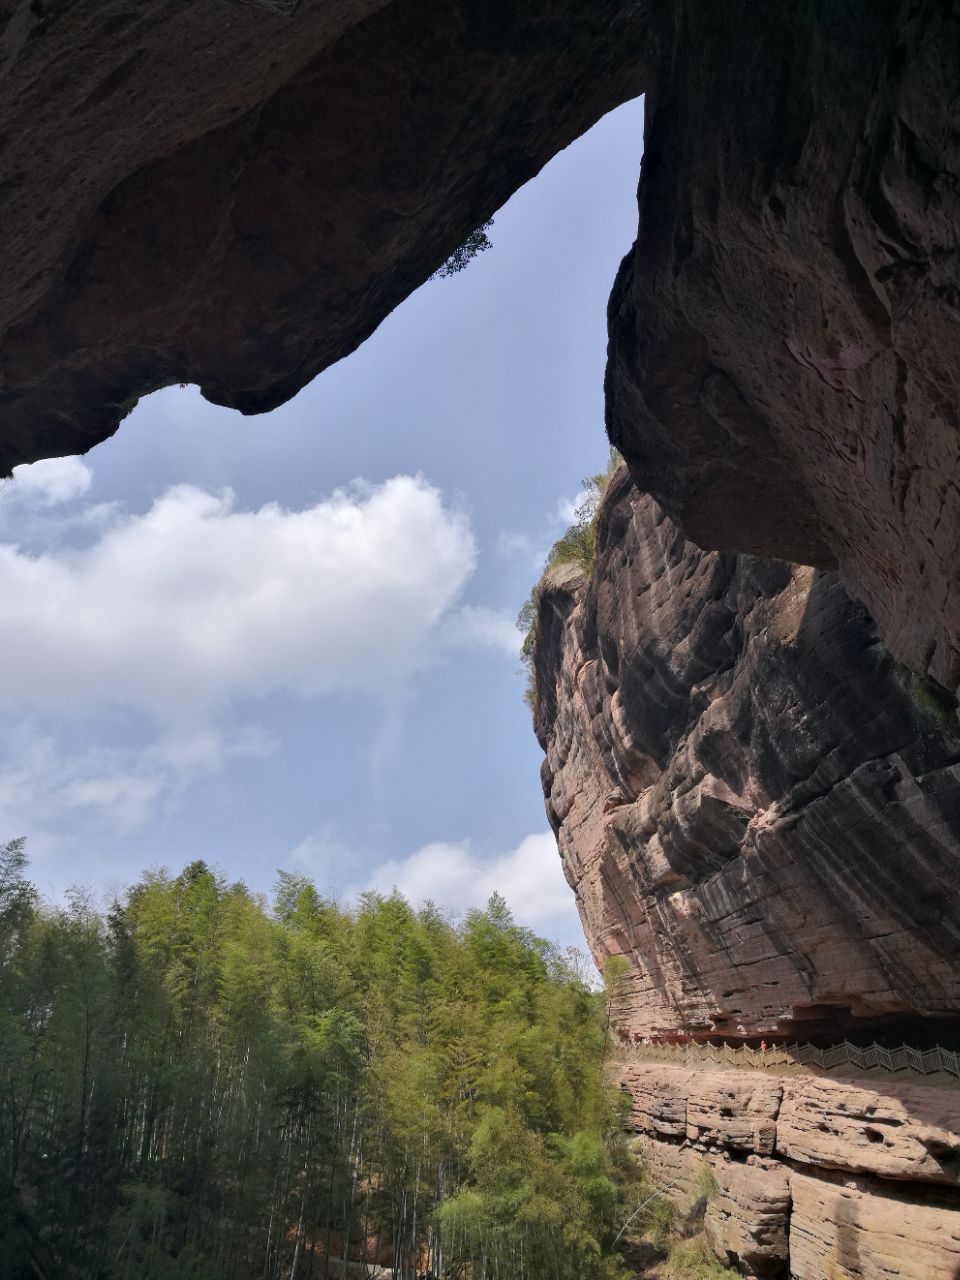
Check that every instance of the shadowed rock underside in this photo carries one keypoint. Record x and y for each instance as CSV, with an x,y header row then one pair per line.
x,y
784,368
221,194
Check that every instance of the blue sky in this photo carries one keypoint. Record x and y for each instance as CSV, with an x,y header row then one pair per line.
x,y
287,641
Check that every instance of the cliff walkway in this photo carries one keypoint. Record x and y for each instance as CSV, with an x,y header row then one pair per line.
x,y
777,1057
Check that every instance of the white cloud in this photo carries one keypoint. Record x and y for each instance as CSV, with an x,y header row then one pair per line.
x,y
565,513
325,858
49,482
476,627
127,801
120,789
196,602
533,549
452,874
40,785
186,753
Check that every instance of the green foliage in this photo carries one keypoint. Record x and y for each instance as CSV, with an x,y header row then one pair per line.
x,y
663,1234
17,896
707,1185
577,545
695,1260
476,242
195,1086
931,700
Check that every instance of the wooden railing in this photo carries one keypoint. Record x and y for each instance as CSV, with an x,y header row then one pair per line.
x,y
775,1057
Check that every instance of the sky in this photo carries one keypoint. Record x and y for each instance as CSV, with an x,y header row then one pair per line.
x,y
289,641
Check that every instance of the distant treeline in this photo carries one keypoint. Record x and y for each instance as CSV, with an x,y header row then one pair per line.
x,y
197,1085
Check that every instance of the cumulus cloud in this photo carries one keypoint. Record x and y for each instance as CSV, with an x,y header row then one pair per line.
x,y
476,627
119,789
452,874
47,483
196,601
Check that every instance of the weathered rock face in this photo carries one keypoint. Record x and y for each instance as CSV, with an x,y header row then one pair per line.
x,y
749,802
222,194
785,337
758,807
844,1206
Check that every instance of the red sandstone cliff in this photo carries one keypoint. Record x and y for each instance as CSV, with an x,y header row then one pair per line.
x,y
751,799
761,810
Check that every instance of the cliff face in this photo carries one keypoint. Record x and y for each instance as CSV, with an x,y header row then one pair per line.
x,y
784,371
761,810
752,800
817,1179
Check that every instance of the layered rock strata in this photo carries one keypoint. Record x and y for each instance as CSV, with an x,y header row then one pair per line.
x,y
753,802
761,810
875,1196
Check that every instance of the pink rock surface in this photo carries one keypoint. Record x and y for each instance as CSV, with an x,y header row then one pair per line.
x,y
858,1230
797,1206
749,802
895,1130
747,1213
678,1170
660,1097
748,1216
735,1109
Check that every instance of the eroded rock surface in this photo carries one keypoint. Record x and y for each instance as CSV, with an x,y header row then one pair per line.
x,y
810,1207
734,1109
236,194
785,338
750,799
748,1214
898,1131
861,1230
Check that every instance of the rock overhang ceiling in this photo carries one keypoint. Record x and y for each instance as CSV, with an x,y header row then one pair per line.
x,y
220,194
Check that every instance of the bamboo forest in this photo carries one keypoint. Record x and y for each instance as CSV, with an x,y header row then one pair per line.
x,y
197,1084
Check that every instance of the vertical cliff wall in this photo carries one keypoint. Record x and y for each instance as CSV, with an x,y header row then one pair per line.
x,y
760,808
751,798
